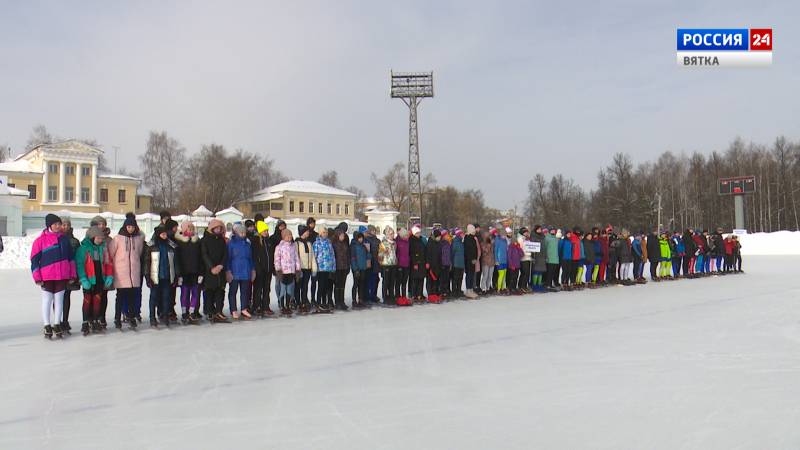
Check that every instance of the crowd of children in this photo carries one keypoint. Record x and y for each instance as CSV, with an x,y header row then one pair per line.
x,y
309,272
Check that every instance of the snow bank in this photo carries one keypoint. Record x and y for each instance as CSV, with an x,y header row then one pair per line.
x,y
17,252
777,243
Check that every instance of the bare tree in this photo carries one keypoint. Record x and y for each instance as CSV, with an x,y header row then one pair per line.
x,y
163,164
39,135
330,178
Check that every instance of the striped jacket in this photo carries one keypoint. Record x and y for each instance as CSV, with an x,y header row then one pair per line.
x,y
52,258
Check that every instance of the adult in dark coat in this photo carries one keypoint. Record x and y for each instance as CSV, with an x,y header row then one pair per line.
x,y
263,263
416,252
471,260
653,253
341,251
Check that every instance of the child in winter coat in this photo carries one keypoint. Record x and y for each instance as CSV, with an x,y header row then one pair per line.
x,y
539,259
52,266
665,266
95,273
191,272
326,268
387,256
359,263
127,256
262,262
341,251
287,271
488,262
308,267
678,253
161,274
433,264
416,251
625,258
457,258
638,258
524,282
73,285
501,259
240,271
214,251
446,258
403,267
515,254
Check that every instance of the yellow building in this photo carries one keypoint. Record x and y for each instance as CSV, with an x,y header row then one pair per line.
x,y
299,199
64,176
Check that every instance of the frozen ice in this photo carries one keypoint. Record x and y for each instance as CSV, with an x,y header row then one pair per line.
x,y
711,363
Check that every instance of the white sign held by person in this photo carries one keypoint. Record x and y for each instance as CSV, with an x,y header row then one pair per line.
x,y
532,247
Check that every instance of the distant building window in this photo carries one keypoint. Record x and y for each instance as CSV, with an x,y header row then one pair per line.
x,y
31,192
291,206
276,206
52,194
69,194
137,203
347,209
329,208
69,169
121,196
12,185
302,206
86,171
85,193
52,168
104,195
338,209
311,207
320,208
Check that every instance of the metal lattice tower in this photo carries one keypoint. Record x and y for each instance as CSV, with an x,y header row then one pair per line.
x,y
412,87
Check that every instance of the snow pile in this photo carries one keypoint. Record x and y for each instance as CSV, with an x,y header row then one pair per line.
x,y
17,252
777,243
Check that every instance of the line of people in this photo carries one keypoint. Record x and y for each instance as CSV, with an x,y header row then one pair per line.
x,y
310,272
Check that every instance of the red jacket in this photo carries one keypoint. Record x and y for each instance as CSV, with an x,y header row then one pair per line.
x,y
729,246
576,247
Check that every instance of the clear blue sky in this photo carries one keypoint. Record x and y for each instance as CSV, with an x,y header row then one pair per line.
x,y
521,87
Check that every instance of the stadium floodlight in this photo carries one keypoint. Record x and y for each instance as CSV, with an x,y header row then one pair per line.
x,y
412,87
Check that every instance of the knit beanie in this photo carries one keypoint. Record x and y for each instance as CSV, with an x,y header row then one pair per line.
x,y
470,229
94,231
249,223
130,220
98,220
51,219
362,229
415,230
239,229
261,227
301,229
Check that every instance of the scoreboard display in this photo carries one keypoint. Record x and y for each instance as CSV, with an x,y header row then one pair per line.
x,y
737,185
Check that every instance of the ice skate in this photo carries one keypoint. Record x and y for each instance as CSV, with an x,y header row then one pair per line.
x,y
48,332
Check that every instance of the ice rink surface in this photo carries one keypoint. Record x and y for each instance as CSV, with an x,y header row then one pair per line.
x,y
692,364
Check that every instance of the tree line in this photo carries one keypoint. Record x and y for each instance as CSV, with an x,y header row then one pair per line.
x,y
687,186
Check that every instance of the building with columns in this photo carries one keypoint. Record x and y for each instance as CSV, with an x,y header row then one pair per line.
x,y
64,176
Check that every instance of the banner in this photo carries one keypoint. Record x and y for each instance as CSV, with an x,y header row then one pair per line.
x,y
532,247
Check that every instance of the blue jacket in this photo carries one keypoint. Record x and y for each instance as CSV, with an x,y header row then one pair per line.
x,y
565,249
637,248
240,258
583,253
680,247
323,251
501,252
358,256
457,252
598,251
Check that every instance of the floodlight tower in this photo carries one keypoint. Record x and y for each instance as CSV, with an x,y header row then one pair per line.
x,y
412,87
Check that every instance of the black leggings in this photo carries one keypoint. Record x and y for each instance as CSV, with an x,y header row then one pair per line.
x,y
401,280
653,269
65,315
261,292
388,283
324,289
340,279
458,276
552,275
513,279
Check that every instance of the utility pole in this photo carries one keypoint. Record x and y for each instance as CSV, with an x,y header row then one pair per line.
x,y
658,194
412,87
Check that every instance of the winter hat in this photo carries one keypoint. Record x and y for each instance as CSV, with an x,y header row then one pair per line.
x,y
164,214
259,217
158,230
470,229
239,229
415,230
214,223
261,227
524,230
51,219
170,225
94,231
342,226
130,219
362,229
249,223
437,233
311,220
185,226
301,229
98,220
402,232
508,230
459,232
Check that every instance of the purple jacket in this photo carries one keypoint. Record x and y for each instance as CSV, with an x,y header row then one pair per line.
x,y
515,254
447,258
52,258
403,258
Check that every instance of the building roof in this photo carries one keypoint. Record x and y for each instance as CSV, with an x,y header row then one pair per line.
x,y
6,190
60,145
230,210
20,165
117,176
202,211
304,186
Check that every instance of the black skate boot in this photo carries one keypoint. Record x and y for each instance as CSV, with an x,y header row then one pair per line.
x,y
118,324
132,323
57,330
185,318
85,328
48,332
67,329
153,322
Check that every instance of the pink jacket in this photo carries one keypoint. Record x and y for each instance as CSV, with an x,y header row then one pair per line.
x,y
52,258
126,255
286,258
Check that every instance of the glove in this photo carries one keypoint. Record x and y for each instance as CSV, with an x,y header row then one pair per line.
x,y
228,276
180,281
85,285
200,279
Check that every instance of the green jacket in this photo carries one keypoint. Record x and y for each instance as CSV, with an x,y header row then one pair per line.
x,y
551,248
666,253
89,252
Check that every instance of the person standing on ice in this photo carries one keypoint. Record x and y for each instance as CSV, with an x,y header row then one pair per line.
x,y
487,262
403,267
262,261
52,267
95,272
653,255
372,243
665,254
699,253
341,252
688,253
539,260
126,251
191,272
387,255
308,268
717,249
457,258
625,258
416,251
72,286
638,260
100,221
161,274
326,268
678,253
360,263
472,261
501,259
240,272
214,251
515,254
287,271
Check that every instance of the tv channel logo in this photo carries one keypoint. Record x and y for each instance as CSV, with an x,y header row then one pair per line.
x,y
724,47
